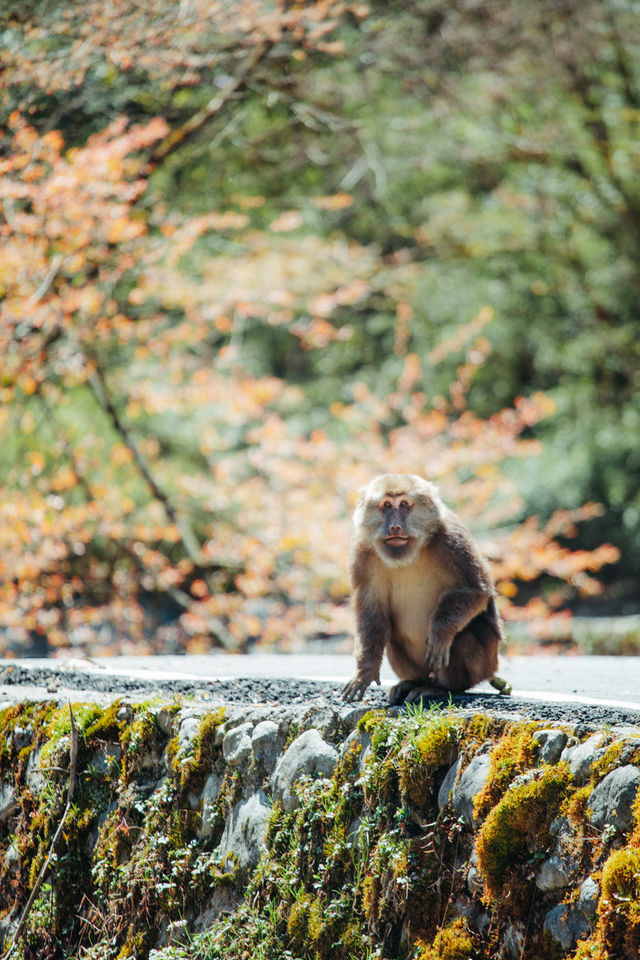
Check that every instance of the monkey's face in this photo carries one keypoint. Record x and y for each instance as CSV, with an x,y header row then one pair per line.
x,y
397,514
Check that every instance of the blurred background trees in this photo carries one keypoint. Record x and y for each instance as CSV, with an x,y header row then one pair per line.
x,y
253,253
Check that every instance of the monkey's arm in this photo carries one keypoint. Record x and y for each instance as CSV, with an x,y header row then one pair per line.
x,y
373,630
456,608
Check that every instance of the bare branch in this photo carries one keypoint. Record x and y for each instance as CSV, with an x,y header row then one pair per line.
x,y
47,280
189,541
215,105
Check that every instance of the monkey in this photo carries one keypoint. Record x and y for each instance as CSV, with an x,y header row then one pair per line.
x,y
421,592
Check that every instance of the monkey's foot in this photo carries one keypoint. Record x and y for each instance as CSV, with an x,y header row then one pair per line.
x,y
412,691
502,686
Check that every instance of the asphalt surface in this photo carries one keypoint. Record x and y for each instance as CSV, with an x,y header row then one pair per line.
x,y
589,691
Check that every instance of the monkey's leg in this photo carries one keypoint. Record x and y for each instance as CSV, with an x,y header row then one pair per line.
x,y
456,609
472,660
503,686
411,691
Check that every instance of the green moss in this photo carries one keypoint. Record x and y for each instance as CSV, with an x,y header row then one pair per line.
x,y
575,804
621,879
106,725
518,825
386,882
607,762
617,933
634,838
515,752
480,728
292,733
450,943
433,745
137,738
33,716
193,770
297,923
407,750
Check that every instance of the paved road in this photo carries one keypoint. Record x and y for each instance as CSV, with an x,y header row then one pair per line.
x,y
607,681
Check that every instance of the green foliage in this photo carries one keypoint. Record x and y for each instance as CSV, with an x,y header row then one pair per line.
x,y
368,235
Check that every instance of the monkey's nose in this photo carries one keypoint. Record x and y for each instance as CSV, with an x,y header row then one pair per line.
x,y
395,530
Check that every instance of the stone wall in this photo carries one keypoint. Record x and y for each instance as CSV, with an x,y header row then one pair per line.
x,y
255,832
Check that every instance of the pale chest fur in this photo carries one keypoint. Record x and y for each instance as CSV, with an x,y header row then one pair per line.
x,y
413,594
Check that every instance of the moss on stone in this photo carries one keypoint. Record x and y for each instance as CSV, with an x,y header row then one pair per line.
x,y
432,745
607,762
193,770
634,838
617,933
518,825
367,867
515,752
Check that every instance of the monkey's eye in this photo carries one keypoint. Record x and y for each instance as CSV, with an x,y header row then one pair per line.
x,y
405,505
387,505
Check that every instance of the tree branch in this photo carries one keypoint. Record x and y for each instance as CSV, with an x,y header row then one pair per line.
x,y
192,548
47,280
214,106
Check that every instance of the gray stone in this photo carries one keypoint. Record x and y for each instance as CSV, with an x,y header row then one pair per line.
x,y
582,757
187,733
8,802
22,737
361,738
471,782
560,827
444,793
353,832
567,924
244,830
555,873
164,719
12,858
34,777
475,885
513,941
236,746
589,896
611,801
552,743
308,755
353,714
209,796
265,743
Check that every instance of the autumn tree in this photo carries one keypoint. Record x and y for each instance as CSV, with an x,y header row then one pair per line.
x,y
193,391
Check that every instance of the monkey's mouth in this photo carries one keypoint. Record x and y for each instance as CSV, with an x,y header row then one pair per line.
x,y
397,541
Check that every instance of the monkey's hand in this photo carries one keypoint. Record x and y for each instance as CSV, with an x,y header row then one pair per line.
x,y
437,657
354,690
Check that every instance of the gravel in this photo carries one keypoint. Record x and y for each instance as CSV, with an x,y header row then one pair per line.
x,y
20,682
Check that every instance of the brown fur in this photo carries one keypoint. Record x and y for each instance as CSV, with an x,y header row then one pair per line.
x,y
421,592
